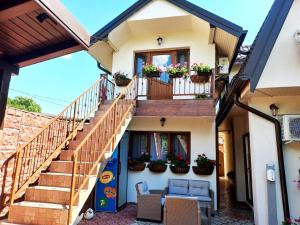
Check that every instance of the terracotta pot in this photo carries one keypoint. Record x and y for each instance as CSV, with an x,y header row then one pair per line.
x,y
153,74
180,170
122,82
200,77
136,166
203,171
157,168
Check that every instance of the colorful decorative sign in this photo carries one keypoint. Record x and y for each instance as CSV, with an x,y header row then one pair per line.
x,y
106,177
110,192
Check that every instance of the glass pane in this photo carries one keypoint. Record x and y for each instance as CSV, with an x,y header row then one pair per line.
x,y
162,61
139,145
159,146
182,57
180,146
140,62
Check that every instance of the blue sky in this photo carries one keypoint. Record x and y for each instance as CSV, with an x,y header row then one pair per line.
x,y
55,83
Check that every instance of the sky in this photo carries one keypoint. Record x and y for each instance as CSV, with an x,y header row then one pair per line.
x,y
55,83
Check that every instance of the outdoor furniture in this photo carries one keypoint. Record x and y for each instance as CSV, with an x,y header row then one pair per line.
x,y
149,202
182,210
198,189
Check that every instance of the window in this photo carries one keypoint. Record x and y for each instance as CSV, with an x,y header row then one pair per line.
x,y
159,145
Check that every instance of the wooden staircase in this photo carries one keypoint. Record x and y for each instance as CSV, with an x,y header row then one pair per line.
x,y
51,186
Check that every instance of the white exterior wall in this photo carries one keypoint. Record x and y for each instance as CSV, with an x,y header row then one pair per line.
x,y
264,151
202,141
200,50
283,66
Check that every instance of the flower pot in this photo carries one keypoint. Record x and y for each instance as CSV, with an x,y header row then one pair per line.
x,y
203,170
122,82
157,168
201,77
136,166
176,75
179,170
153,74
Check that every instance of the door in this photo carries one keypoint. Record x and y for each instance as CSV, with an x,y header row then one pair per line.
x,y
221,161
161,88
248,171
122,170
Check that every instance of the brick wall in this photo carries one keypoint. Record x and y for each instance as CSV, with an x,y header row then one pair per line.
x,y
19,127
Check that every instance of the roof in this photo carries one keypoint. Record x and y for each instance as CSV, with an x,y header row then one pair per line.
x,y
33,31
264,42
195,10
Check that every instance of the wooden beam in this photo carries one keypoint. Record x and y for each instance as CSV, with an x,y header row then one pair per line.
x,y
18,9
50,52
212,33
4,86
9,68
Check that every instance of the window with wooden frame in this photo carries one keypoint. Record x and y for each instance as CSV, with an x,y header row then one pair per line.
x,y
159,145
160,58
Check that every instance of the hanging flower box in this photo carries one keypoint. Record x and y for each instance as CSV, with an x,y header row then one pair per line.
x,y
205,166
179,170
203,73
153,74
157,166
136,166
203,171
121,79
150,70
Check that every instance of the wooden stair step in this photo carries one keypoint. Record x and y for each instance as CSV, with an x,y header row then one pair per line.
x,y
59,180
47,194
66,155
37,213
67,167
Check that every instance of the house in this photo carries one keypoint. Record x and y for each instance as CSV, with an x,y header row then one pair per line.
x,y
260,103
163,117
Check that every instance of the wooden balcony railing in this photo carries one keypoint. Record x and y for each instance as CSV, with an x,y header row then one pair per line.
x,y
37,154
176,88
101,139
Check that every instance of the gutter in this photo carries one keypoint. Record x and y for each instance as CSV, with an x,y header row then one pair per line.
x,y
277,125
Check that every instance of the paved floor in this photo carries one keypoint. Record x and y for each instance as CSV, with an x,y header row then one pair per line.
x,y
230,213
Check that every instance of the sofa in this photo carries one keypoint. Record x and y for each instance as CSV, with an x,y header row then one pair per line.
x,y
198,189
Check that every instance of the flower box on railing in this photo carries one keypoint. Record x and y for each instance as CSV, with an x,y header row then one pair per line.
x,y
157,166
203,170
153,74
201,77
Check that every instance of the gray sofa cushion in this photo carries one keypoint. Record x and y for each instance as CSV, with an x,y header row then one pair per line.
x,y
177,186
199,188
143,188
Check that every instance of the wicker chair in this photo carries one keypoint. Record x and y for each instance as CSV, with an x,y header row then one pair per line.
x,y
179,211
149,206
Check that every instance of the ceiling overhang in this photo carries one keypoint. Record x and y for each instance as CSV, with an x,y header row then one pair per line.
x,y
32,31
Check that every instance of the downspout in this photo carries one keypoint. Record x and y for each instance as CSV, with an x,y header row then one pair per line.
x,y
273,120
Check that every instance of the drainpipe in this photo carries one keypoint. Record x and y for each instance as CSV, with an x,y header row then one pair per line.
x,y
273,120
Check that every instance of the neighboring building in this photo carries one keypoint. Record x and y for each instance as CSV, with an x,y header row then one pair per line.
x,y
268,79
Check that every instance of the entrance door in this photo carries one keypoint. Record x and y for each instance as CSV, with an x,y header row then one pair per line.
x,y
248,171
161,88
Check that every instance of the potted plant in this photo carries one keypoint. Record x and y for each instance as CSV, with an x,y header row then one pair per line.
x,y
150,70
179,165
178,71
138,164
298,180
291,222
205,166
121,79
203,73
158,166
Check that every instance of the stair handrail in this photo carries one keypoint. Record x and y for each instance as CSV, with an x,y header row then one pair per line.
x,y
126,98
57,133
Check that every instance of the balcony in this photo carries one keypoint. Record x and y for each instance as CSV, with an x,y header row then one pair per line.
x,y
177,97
